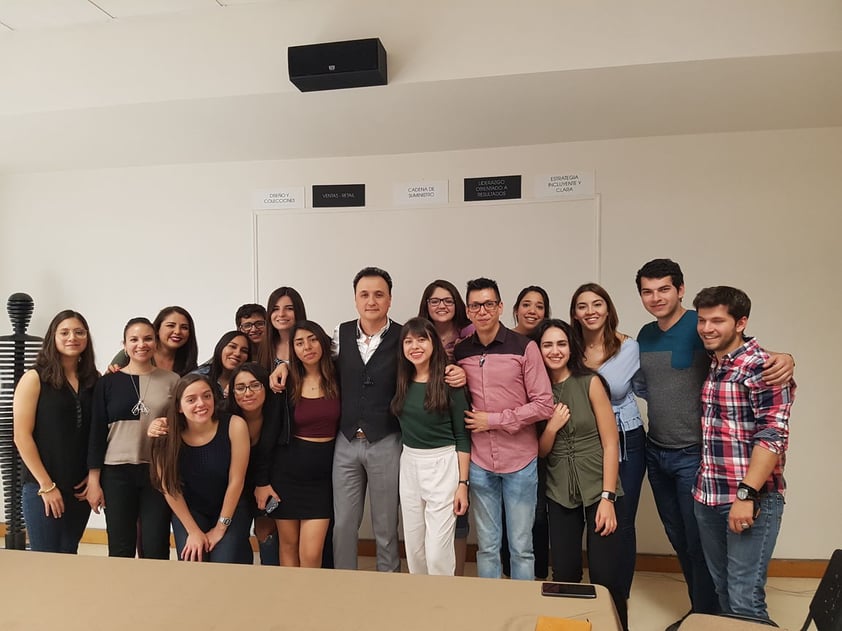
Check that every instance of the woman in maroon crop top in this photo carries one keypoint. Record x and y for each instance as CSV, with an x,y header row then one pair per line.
x,y
300,468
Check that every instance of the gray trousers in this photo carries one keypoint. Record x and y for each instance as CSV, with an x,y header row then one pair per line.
x,y
357,464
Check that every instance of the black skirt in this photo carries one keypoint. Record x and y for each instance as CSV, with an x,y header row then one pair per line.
x,y
302,476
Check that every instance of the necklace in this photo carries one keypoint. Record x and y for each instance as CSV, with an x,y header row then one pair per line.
x,y
313,384
139,407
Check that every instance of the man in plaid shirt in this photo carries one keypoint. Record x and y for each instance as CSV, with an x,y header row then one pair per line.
x,y
739,489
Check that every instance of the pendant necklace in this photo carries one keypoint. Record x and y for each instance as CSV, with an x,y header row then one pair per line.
x,y
139,407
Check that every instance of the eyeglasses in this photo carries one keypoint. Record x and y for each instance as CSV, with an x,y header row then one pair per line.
x,y
435,302
65,333
473,307
254,386
245,327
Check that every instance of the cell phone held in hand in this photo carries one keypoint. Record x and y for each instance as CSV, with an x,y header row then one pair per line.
x,y
568,590
271,504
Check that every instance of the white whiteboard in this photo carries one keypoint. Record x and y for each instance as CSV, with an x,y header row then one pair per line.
x,y
554,244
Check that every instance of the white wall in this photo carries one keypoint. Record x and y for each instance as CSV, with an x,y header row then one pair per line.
x,y
241,50
756,210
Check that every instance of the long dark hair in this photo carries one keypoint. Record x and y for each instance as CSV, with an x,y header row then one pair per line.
x,y
216,362
576,362
266,350
437,397
163,468
48,361
327,370
187,355
610,342
460,314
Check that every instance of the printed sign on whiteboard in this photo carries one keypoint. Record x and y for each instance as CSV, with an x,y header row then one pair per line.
x,y
417,193
573,185
292,197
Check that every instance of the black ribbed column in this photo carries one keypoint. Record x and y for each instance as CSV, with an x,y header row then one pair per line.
x,y
17,352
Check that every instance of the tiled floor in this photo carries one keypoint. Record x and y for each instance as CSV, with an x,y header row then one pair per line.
x,y
660,599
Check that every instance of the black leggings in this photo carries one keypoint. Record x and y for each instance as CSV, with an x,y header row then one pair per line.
x,y
566,526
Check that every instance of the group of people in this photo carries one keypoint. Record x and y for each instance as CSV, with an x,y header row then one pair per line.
x,y
536,428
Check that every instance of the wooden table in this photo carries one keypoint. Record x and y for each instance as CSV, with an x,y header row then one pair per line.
x,y
65,593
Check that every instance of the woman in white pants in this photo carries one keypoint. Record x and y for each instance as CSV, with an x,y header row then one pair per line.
x,y
436,450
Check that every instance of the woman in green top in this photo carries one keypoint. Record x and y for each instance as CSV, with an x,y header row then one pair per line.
x,y
581,445
436,450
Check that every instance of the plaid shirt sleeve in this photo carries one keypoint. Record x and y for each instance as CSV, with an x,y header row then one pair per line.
x,y
771,406
740,411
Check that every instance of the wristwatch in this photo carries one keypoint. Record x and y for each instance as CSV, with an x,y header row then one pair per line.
x,y
465,482
225,521
745,492
608,495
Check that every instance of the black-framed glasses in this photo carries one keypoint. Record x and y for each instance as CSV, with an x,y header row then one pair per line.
x,y
245,327
435,302
254,386
488,305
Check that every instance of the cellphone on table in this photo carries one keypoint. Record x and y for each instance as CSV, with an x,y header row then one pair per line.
x,y
568,590
271,504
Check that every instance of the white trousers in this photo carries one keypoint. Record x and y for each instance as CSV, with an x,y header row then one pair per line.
x,y
428,482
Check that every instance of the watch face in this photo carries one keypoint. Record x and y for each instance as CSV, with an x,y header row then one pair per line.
x,y
742,494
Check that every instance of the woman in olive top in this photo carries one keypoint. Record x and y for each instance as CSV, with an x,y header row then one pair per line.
x,y
581,445
436,450
52,420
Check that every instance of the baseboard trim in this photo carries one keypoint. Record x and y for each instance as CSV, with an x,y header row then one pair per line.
x,y
789,568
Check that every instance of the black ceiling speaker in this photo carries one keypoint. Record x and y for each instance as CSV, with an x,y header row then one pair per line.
x,y
351,64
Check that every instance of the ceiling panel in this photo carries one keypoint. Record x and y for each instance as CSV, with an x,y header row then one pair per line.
x,y
128,8
33,14
20,15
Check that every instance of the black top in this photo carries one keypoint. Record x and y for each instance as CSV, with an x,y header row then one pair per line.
x,y
119,426
368,388
276,430
204,471
62,428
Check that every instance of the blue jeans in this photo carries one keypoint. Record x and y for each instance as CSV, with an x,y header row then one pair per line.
x,y
231,548
540,531
672,474
738,562
48,534
632,470
518,492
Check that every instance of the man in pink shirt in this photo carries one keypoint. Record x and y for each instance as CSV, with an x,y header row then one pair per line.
x,y
510,392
